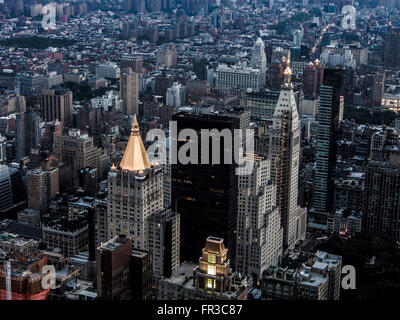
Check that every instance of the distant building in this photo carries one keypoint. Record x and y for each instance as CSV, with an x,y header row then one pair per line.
x,y
32,84
43,185
28,134
129,92
176,95
259,59
392,49
313,76
77,150
167,56
108,70
237,78
56,104
133,62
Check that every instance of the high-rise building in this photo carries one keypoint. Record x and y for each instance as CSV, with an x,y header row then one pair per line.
x,y
381,199
297,38
141,275
167,56
43,185
131,61
328,126
77,150
259,232
3,149
28,134
313,75
284,152
205,195
176,95
164,242
113,268
129,92
52,130
6,197
56,104
392,49
134,192
32,84
378,89
259,59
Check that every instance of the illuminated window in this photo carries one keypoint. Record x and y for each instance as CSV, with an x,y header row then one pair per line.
x,y
212,270
212,258
210,283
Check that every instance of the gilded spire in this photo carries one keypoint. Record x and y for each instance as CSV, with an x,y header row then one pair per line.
x,y
288,73
135,127
135,155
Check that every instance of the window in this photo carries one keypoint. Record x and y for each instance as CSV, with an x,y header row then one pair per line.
x,y
210,283
212,258
212,270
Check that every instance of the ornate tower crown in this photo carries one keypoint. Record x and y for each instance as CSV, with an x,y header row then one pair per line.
x,y
135,155
288,73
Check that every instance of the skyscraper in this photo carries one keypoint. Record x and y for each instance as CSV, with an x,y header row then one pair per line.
x,y
3,149
205,195
6,198
392,49
56,104
28,134
259,59
176,95
167,56
52,130
77,150
164,242
134,192
328,126
381,199
259,231
43,185
284,152
129,92
313,75
134,62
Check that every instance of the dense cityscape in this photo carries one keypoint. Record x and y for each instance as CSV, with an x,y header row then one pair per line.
x,y
199,150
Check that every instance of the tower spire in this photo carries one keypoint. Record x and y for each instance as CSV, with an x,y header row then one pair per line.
x,y
135,155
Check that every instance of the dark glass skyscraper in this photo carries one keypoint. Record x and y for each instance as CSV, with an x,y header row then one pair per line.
x,y
328,126
205,195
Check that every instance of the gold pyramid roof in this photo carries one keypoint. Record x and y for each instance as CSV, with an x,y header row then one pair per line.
x,y
135,155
